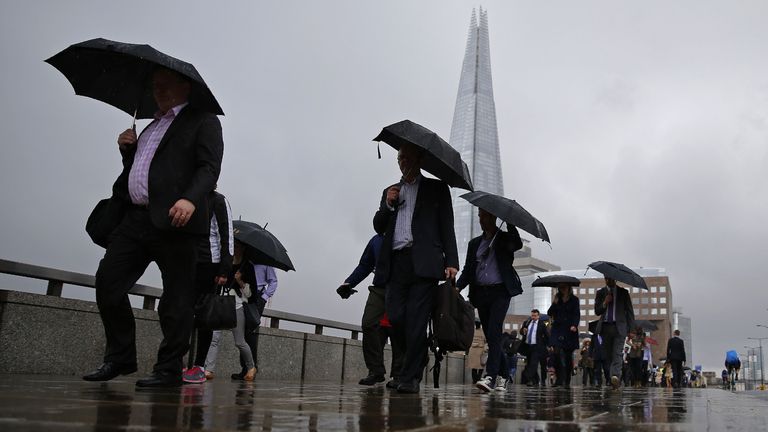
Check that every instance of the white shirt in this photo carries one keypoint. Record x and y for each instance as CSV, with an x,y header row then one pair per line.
x,y
403,237
531,336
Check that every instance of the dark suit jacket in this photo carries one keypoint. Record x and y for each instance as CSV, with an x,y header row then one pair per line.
x,y
625,314
504,246
434,240
675,349
542,334
186,165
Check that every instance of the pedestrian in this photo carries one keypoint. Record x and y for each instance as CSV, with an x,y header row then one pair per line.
x,y
586,363
511,347
647,361
418,250
374,333
536,342
266,285
724,376
600,361
492,281
476,352
614,307
214,256
676,357
636,352
176,162
564,316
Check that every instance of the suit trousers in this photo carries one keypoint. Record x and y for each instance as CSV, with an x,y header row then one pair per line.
x,y
133,245
204,276
532,363
613,343
677,373
492,303
409,302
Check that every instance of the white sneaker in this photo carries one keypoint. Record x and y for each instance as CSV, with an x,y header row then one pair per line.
x,y
485,384
501,384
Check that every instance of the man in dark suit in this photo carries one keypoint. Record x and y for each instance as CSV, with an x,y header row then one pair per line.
x,y
167,175
536,337
614,306
419,249
676,356
492,283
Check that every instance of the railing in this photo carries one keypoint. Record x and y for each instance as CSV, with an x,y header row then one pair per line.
x,y
57,278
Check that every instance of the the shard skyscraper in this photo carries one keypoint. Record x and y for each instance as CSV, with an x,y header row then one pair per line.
x,y
474,133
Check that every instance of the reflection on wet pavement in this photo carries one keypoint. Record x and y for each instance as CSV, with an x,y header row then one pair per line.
x,y
67,403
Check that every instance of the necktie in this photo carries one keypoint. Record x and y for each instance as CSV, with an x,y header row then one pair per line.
x,y
530,331
609,314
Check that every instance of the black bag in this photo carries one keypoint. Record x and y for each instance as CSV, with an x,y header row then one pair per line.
x,y
453,319
216,310
252,316
104,218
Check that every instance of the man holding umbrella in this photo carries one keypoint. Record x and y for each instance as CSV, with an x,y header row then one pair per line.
x,y
419,249
168,172
492,282
614,306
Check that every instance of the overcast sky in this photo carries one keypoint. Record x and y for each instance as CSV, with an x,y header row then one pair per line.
x,y
635,131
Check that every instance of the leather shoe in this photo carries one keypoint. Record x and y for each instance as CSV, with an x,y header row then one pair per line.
x,y
393,384
371,380
160,379
409,387
109,370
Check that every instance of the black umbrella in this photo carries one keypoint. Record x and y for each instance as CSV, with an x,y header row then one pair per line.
x,y
646,325
619,272
593,326
261,246
555,280
119,74
440,159
509,211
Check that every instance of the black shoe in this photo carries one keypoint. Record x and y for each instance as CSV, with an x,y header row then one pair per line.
x,y
393,384
109,370
409,387
161,379
239,376
530,384
371,380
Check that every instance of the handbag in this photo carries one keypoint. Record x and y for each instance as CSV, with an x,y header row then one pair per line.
x,y
216,310
104,218
253,312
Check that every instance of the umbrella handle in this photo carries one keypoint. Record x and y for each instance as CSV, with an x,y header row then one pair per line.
x,y
135,113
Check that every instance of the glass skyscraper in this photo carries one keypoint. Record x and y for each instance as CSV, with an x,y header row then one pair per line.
x,y
474,133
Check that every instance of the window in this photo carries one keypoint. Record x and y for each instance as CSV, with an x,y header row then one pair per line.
x,y
653,289
654,311
591,290
583,291
582,323
591,301
635,290
515,326
644,311
507,326
662,289
663,300
582,301
663,311
635,301
644,300
654,300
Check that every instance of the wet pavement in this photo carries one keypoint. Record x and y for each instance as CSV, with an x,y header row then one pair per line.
x,y
35,403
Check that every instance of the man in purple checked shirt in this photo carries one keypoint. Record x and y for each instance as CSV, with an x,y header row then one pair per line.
x,y
168,172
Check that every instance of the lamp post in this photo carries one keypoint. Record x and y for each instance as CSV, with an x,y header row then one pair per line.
x,y
751,365
760,340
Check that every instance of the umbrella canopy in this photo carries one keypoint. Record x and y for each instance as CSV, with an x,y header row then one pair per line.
x,y
119,74
650,341
555,280
509,211
261,246
593,326
440,159
619,272
646,325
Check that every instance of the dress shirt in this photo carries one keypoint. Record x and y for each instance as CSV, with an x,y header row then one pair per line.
x,y
138,178
532,328
610,313
266,279
403,237
487,272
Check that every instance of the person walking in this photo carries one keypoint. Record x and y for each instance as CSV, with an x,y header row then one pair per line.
x,y
214,265
492,281
476,353
600,361
168,172
636,352
587,363
676,357
564,315
536,342
374,334
415,217
265,287
614,307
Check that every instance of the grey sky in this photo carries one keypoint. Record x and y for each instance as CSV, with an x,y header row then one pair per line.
x,y
636,131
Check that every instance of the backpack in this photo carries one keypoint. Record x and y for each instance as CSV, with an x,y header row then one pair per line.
x,y
452,327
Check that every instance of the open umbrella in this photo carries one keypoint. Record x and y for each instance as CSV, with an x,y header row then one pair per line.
x,y
593,326
261,246
646,325
440,159
509,211
555,280
619,272
650,341
119,74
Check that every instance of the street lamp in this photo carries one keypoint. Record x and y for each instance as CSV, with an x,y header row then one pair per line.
x,y
760,340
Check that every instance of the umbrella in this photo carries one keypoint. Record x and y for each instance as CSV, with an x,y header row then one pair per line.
x,y
509,211
646,325
119,74
440,159
650,341
619,272
593,326
261,246
555,280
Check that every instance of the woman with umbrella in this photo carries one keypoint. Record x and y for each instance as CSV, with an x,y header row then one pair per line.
x,y
564,338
